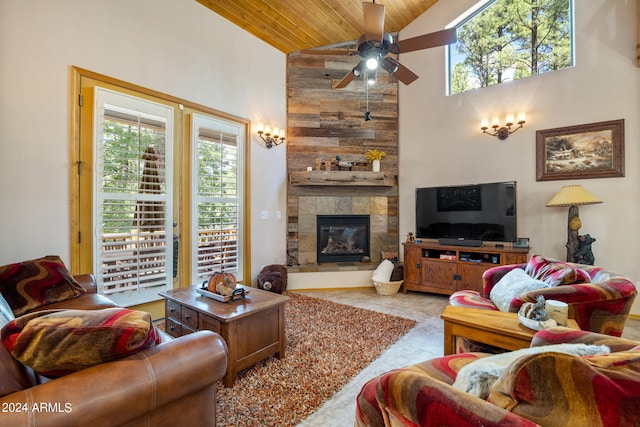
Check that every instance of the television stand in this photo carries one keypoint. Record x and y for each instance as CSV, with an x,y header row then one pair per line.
x,y
445,269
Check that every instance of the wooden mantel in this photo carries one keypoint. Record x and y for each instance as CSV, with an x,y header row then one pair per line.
x,y
342,178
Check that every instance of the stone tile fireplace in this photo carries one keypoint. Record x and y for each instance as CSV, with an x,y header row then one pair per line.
x,y
303,229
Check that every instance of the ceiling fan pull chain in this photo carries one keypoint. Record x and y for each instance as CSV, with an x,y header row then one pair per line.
x,y
367,113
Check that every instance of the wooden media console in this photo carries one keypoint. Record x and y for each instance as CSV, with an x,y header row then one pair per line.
x,y
436,268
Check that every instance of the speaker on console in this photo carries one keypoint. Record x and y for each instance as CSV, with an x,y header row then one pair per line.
x,y
461,242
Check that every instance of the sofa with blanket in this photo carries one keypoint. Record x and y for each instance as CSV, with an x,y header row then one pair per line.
x,y
548,384
70,356
599,300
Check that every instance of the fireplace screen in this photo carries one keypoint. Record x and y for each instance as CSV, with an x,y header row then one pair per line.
x,y
342,238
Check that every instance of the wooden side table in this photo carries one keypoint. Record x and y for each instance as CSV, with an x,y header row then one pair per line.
x,y
252,328
495,328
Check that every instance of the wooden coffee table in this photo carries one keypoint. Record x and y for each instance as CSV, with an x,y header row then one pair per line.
x,y
495,328
252,328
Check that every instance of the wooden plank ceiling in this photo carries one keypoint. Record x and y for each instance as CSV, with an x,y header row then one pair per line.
x,y
291,25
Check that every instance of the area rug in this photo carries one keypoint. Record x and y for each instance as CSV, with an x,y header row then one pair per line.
x,y
327,345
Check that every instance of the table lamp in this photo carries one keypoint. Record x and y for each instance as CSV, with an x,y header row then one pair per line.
x,y
573,196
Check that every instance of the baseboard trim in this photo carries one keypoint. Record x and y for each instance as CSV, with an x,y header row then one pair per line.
x,y
329,280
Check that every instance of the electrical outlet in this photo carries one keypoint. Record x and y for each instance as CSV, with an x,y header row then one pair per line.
x,y
264,214
278,214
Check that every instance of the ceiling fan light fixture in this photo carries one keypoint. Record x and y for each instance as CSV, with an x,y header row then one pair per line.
x,y
375,44
390,65
372,77
357,70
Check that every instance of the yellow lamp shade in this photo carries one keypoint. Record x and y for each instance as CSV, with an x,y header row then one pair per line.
x,y
573,195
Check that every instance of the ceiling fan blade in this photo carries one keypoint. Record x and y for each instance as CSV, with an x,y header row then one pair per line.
x,y
373,21
345,81
328,52
355,72
439,38
405,75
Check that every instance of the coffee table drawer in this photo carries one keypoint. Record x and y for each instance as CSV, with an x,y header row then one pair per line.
x,y
174,328
187,330
174,310
208,323
189,317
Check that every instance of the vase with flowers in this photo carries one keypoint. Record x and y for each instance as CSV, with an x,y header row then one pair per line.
x,y
373,157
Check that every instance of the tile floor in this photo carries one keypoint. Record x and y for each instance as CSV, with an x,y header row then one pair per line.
x,y
422,342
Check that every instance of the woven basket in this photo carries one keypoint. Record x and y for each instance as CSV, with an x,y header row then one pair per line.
x,y
387,288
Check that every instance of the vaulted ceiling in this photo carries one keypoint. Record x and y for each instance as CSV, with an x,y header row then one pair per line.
x,y
291,25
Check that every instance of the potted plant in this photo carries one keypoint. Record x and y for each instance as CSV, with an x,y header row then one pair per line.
x,y
373,157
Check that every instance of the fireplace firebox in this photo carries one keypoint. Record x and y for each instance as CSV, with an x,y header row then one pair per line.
x,y
342,238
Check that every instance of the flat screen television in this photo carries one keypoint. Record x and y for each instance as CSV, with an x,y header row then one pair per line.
x,y
478,212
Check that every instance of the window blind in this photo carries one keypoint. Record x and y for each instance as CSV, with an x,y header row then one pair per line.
x,y
133,214
217,198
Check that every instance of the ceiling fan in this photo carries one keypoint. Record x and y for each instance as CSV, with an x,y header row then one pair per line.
x,y
376,48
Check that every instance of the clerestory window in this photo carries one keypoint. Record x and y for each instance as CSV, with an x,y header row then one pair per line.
x,y
510,39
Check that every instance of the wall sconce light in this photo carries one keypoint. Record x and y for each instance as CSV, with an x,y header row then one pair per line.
x,y
502,132
271,138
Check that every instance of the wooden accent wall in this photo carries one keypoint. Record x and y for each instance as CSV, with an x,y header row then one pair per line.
x,y
324,123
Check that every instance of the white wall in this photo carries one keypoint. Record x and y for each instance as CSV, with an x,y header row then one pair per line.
x,y
176,47
441,143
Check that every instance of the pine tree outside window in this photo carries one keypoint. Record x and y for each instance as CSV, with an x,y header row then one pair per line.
x,y
511,39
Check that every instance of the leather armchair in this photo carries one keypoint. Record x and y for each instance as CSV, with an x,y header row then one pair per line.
x,y
172,383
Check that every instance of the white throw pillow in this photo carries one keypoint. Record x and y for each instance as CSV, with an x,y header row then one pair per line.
x,y
384,271
477,378
511,285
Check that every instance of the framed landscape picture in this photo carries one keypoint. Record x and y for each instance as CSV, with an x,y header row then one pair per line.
x,y
594,150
